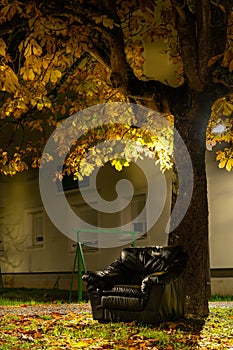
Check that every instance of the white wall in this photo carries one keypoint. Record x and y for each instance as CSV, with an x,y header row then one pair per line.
x,y
25,263
220,197
20,195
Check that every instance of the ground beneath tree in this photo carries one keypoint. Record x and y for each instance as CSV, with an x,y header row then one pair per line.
x,y
71,326
45,309
63,309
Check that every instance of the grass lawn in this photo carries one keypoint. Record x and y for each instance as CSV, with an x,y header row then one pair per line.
x,y
79,331
12,296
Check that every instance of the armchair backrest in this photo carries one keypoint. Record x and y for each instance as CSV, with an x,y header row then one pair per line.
x,y
147,260
135,263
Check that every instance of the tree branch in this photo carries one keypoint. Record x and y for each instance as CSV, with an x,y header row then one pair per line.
x,y
119,66
156,95
223,75
112,37
203,18
220,18
185,25
99,55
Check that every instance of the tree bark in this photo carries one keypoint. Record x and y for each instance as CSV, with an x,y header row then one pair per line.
x,y
192,232
191,110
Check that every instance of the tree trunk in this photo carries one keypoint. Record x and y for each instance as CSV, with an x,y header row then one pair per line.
x,y
192,232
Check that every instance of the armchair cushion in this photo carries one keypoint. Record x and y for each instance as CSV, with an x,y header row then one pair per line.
x,y
124,290
122,303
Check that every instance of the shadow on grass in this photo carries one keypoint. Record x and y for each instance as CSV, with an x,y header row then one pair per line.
x,y
183,334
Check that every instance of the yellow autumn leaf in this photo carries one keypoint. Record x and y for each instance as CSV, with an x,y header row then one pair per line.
x,y
126,164
117,164
9,11
2,47
45,63
8,79
22,105
36,49
55,74
230,105
46,101
220,155
231,66
214,59
33,102
30,74
108,22
98,19
40,105
87,169
89,93
28,50
229,165
77,176
222,163
69,48
227,111
63,109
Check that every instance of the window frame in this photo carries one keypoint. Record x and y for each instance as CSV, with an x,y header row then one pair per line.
x,y
31,215
2,233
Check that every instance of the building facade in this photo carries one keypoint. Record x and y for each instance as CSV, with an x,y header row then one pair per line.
x,y
35,254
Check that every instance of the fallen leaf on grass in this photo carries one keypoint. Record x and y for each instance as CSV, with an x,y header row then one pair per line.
x,y
56,315
27,338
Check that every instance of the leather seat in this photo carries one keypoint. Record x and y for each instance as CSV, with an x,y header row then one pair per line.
x,y
145,284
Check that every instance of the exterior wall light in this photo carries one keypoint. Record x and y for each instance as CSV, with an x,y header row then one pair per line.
x,y
219,129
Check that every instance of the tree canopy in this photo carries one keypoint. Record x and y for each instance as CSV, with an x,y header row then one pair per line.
x,y
60,57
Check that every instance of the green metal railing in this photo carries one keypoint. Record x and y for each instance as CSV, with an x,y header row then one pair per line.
x,y
79,256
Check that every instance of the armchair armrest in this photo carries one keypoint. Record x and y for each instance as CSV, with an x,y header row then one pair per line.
x,y
116,273
160,278
100,280
149,280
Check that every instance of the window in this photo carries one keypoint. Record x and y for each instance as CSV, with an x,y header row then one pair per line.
x,y
89,240
2,228
136,218
139,225
35,227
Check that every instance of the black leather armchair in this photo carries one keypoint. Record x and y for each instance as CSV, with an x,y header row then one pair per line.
x,y
145,284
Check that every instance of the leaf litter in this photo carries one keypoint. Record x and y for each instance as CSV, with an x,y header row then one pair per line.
x,y
71,326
